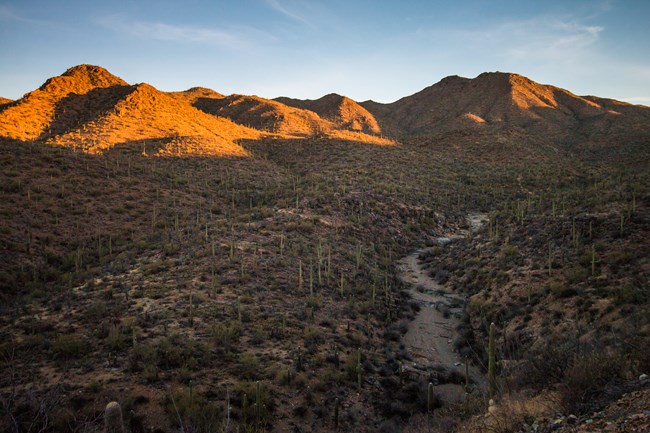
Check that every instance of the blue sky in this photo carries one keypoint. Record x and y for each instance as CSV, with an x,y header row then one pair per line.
x,y
365,49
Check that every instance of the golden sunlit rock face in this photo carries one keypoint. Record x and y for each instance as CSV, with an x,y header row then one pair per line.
x,y
499,100
60,100
340,110
88,108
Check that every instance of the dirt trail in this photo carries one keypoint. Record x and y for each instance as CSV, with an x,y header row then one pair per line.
x,y
430,337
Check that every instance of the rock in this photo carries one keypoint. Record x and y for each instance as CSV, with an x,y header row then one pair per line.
x,y
643,377
571,419
556,424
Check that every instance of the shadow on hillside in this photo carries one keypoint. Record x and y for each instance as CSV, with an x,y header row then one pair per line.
x,y
322,150
75,110
210,105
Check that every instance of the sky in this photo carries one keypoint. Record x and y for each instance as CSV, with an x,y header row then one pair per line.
x,y
364,49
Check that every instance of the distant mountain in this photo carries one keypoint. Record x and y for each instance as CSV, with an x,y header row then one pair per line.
x,y
146,113
57,101
503,100
340,110
195,95
89,108
265,114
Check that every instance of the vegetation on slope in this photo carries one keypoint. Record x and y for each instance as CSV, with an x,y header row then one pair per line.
x,y
257,289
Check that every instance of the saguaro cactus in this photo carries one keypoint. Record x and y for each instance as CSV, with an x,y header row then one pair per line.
x,y
492,361
336,413
430,398
113,418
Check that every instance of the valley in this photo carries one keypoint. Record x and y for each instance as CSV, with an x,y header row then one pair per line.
x,y
234,263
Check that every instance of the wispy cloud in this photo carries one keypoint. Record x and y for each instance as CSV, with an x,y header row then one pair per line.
x,y
543,38
224,38
277,6
8,14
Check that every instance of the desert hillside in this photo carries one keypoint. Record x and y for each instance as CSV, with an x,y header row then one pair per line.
x,y
195,95
265,115
341,110
31,116
503,100
471,258
91,109
144,113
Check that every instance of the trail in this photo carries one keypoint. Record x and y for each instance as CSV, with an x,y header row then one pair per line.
x,y
430,337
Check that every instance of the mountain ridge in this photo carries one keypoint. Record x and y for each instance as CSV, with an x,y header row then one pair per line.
x,y
77,106
493,98
339,109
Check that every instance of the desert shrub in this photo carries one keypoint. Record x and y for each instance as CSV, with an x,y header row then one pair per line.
x,y
115,338
562,290
509,251
192,412
583,372
175,351
312,336
586,376
629,295
226,335
248,366
256,402
577,275
70,346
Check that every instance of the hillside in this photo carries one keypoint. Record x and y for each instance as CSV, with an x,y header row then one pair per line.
x,y
145,113
64,99
332,117
4,100
323,282
90,109
196,95
266,115
341,110
498,101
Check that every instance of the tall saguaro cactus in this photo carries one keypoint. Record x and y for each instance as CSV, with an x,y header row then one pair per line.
x,y
492,360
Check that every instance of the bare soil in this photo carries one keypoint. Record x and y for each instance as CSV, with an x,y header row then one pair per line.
x,y
430,337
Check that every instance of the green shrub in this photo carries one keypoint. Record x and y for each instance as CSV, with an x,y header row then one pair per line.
x,y
192,412
629,295
562,290
249,366
256,402
70,346
226,335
